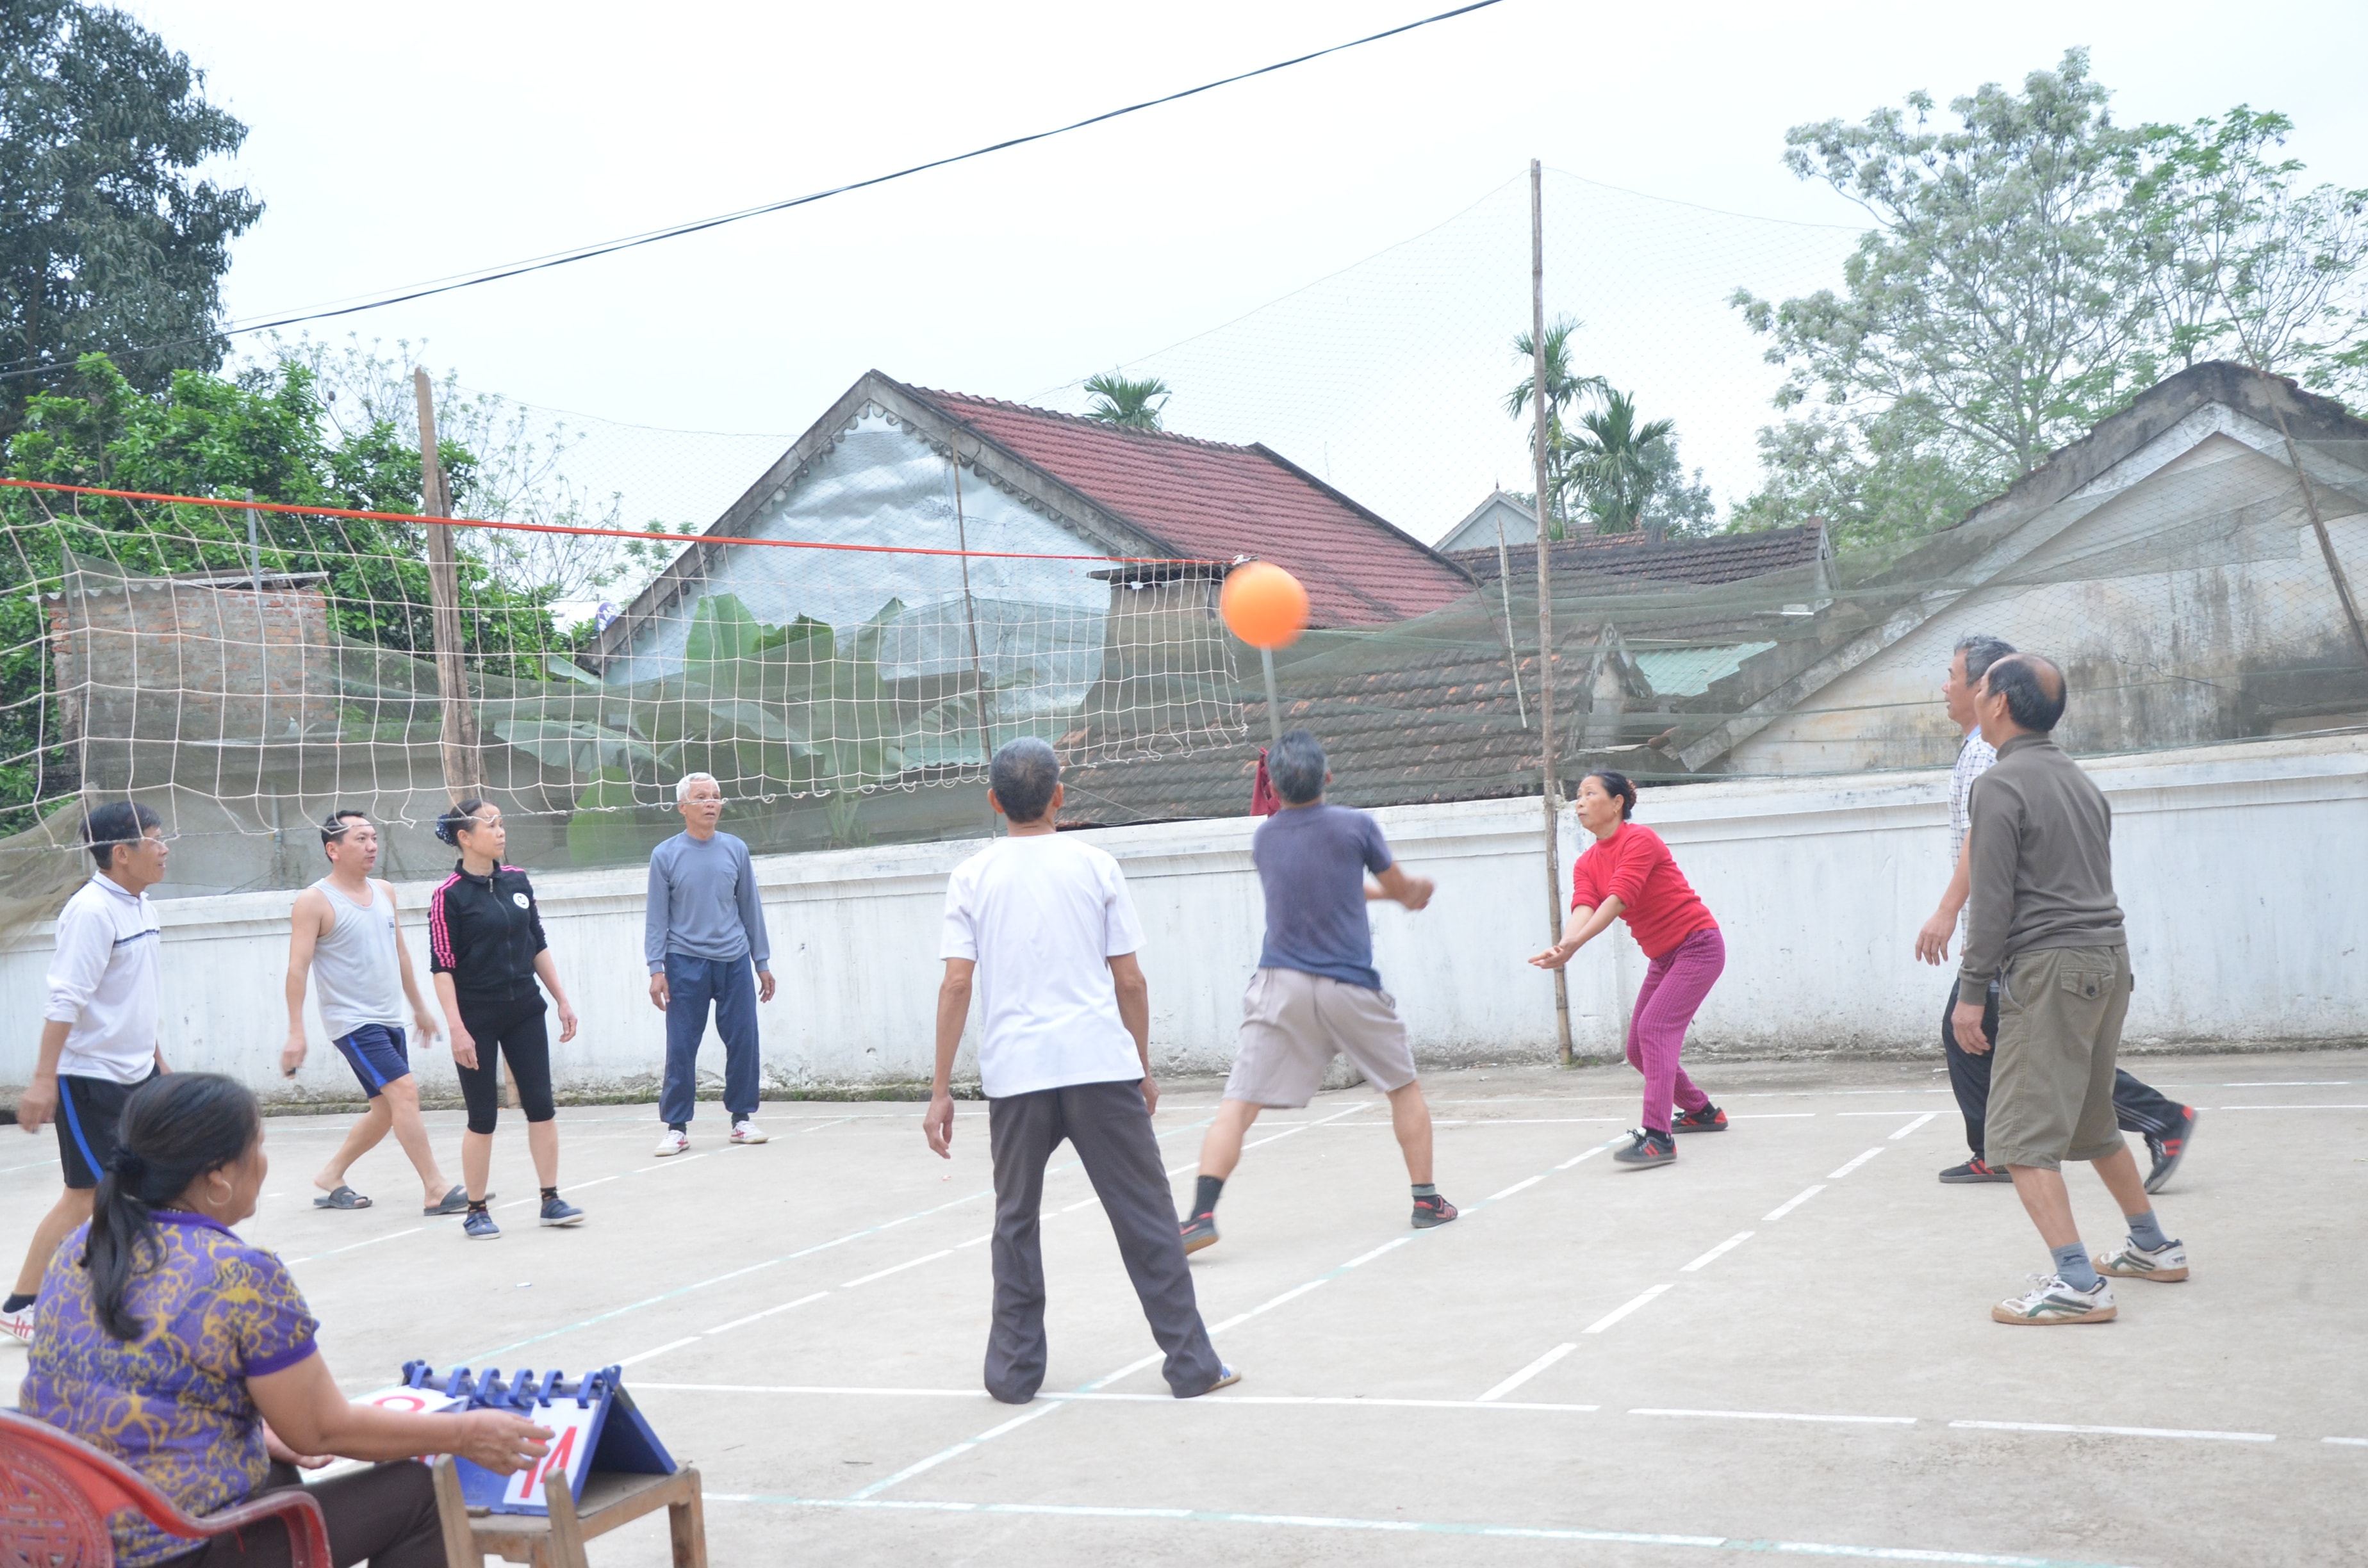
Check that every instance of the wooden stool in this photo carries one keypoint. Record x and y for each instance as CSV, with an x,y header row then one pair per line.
x,y
610,1499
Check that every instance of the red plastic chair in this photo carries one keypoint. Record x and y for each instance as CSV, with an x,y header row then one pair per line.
x,y
57,1493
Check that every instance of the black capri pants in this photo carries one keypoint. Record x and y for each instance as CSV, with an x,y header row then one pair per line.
x,y
517,1033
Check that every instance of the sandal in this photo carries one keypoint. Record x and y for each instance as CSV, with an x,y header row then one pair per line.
x,y
455,1203
343,1197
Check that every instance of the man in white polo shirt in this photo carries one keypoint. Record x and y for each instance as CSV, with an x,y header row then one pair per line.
x,y
98,1034
1044,922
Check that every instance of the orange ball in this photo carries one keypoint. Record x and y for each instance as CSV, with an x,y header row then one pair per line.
x,y
1264,605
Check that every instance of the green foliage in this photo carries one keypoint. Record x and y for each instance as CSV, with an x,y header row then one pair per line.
x,y
1120,400
110,243
1614,462
2032,267
262,433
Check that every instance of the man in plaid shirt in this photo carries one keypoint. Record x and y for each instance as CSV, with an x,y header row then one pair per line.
x,y
2166,1125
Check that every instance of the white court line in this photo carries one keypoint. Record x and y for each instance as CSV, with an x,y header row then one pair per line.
x,y
1914,1125
1526,1373
2282,1108
768,1312
959,1448
1090,1395
1781,1416
2348,1442
1854,1164
391,1235
1793,1202
1589,1153
1518,1186
1927,1115
895,1269
1407,1526
1616,1313
1194,1163
2291,1083
680,1290
659,1351
2117,1431
1715,1252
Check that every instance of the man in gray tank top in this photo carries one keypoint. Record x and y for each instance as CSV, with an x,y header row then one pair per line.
x,y
344,933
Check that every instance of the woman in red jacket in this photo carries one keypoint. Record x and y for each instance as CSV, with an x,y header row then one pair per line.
x,y
1627,874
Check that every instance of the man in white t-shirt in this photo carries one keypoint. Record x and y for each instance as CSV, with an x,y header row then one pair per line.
x,y
98,1031
1041,921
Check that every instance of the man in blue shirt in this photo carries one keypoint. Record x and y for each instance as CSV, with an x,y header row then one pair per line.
x,y
1315,995
703,931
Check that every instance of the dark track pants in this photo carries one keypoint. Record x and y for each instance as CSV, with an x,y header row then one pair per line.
x,y
2139,1107
692,984
385,1515
1112,1131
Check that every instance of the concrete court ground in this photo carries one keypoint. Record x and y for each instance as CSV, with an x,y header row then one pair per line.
x,y
1781,1345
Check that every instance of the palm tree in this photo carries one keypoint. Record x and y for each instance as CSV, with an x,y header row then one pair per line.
x,y
1613,462
1117,401
1563,388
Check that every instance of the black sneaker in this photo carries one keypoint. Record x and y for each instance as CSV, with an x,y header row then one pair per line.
x,y
1433,1210
1199,1231
1974,1170
2169,1149
1650,1149
1710,1118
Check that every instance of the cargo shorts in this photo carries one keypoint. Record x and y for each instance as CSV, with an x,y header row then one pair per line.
x,y
2059,1031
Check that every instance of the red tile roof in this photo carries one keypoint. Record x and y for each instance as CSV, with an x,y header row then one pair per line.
x,y
1209,501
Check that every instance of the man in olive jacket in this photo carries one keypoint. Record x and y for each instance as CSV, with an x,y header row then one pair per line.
x,y
2045,926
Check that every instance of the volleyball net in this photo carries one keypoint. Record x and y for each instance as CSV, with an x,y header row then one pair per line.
x,y
246,668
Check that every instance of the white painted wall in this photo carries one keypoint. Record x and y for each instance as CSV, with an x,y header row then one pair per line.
x,y
2239,868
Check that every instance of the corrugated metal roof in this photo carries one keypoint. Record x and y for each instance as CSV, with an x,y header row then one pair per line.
x,y
1689,672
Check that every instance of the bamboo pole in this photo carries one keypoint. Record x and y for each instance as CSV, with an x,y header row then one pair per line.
x,y
463,777
1549,773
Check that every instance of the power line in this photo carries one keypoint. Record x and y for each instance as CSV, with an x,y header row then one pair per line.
x,y
632,242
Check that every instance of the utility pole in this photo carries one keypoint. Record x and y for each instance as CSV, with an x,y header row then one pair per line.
x,y
463,777
1549,771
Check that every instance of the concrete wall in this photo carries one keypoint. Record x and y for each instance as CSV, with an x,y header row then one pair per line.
x,y
2239,867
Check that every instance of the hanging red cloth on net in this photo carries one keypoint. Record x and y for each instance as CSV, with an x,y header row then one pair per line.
x,y
1264,801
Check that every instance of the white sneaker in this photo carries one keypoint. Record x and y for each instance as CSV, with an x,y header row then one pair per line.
x,y
746,1130
2167,1264
673,1141
2050,1300
18,1324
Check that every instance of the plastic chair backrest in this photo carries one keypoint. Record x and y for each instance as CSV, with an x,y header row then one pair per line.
x,y
58,1492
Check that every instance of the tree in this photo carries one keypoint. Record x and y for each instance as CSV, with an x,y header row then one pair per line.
x,y
1614,462
109,242
2030,270
1563,387
263,434
1119,401
519,471
1987,311
2235,260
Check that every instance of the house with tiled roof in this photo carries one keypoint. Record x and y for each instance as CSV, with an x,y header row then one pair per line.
x,y
1056,505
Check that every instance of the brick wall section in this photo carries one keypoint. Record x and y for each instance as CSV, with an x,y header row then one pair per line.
x,y
152,660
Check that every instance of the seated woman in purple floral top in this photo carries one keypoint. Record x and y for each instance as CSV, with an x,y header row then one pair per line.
x,y
166,1341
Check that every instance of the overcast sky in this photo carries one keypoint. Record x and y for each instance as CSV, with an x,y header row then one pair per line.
x,y
398,145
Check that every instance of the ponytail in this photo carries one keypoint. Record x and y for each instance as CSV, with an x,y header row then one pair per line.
x,y
175,1129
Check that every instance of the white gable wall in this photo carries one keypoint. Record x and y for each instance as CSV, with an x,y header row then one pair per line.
x,y
880,484
2188,566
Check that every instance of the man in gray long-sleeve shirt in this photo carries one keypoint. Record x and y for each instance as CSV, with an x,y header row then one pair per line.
x,y
703,931
2046,925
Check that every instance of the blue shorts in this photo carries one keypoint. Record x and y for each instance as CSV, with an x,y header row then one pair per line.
x,y
376,1053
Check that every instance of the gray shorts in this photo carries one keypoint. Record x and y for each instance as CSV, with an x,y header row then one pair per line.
x,y
2059,1029
1294,1023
